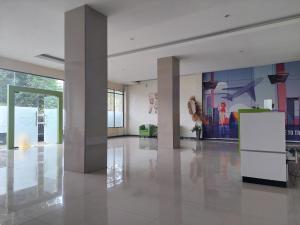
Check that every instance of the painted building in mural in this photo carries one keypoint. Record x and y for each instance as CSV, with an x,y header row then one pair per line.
x,y
225,92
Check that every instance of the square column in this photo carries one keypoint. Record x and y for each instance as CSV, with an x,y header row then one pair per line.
x,y
85,143
168,103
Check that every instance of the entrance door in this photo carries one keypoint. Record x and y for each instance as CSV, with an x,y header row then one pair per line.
x,y
34,115
26,127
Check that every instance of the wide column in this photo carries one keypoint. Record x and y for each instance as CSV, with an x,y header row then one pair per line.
x,y
85,143
168,103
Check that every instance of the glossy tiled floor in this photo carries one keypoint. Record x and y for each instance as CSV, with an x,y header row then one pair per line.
x,y
200,184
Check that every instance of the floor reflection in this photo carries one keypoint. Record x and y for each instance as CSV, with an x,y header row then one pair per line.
x,y
148,143
198,184
116,170
29,178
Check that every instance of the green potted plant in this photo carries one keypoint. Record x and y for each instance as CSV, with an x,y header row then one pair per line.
x,y
198,129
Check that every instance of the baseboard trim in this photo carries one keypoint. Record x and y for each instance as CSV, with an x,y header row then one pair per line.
x,y
275,183
116,136
222,139
135,135
236,140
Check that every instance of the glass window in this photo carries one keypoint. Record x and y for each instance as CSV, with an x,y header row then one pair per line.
x,y
119,110
110,109
115,105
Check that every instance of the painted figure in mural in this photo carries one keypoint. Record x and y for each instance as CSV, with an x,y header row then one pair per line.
x,y
223,119
153,99
222,113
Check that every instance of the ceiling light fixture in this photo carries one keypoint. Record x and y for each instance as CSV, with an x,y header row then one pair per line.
x,y
227,15
132,39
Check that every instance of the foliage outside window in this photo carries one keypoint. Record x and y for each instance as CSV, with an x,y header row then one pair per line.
x,y
8,77
115,108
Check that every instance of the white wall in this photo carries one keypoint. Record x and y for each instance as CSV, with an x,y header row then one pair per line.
x,y
189,86
138,105
15,65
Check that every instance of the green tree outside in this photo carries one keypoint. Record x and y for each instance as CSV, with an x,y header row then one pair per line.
x,y
27,80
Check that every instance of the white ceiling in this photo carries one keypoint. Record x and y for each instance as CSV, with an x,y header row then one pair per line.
x,y
32,27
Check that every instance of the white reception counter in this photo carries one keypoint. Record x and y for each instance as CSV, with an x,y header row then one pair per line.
x,y
263,148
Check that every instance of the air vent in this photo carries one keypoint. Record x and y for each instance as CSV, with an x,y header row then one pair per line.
x,y
51,58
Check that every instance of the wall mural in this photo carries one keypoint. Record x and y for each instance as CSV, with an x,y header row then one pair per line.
x,y
153,99
273,86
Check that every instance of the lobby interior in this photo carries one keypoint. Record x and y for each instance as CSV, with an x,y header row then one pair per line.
x,y
149,112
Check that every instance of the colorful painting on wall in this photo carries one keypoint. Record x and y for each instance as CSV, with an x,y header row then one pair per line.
x,y
272,86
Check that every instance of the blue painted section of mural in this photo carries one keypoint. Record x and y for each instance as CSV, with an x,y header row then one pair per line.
x,y
247,88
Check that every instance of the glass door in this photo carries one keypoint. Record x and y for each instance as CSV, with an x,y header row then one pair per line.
x,y
34,115
51,119
36,119
25,119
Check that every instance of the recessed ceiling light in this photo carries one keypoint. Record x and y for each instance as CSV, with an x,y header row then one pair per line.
x,y
227,15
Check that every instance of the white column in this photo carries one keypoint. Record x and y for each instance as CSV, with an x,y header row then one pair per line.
x,y
168,103
85,90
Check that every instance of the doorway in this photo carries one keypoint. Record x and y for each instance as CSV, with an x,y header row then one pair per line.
x,y
34,116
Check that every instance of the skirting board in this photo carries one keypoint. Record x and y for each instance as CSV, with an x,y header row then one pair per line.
x,y
203,139
275,183
133,135
190,138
